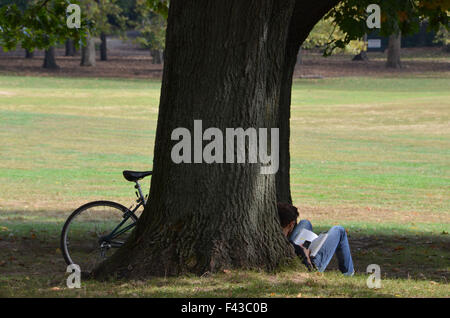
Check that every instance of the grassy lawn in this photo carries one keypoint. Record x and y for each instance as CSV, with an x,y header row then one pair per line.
x,y
371,154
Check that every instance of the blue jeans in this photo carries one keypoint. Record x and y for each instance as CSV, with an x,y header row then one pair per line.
x,y
336,242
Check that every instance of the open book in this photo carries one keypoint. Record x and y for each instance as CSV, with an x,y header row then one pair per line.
x,y
310,240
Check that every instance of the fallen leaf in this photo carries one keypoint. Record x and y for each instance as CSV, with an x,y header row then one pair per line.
x,y
299,295
399,248
227,271
55,288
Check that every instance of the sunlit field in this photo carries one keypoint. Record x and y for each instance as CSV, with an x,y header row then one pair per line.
x,y
371,154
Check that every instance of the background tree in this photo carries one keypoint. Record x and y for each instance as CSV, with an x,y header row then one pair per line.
x,y
109,20
90,7
443,37
50,59
37,24
394,50
326,32
152,30
29,54
70,48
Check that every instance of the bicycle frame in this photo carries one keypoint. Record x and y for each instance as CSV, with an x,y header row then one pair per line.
x,y
115,233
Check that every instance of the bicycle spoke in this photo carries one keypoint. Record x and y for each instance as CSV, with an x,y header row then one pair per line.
x,y
88,231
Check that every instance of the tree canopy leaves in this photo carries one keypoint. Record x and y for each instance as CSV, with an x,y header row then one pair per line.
x,y
38,24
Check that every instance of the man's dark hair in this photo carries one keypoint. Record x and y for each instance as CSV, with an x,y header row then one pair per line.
x,y
287,213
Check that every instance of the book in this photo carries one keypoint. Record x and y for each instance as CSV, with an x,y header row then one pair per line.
x,y
310,240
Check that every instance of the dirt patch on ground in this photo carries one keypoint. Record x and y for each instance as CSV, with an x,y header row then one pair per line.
x,y
130,62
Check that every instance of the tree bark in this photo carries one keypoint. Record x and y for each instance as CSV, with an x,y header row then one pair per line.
x,y
103,47
157,56
88,52
394,48
29,54
208,217
305,15
70,48
49,59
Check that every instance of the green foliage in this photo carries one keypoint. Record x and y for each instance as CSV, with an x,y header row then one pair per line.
x,y
107,14
38,24
151,25
404,16
442,36
325,32
160,7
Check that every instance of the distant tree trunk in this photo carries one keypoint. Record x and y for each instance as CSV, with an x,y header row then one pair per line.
x,y
70,48
300,26
299,56
394,48
362,56
157,56
103,47
29,54
49,59
88,52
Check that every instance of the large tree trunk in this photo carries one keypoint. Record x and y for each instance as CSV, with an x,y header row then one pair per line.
x,y
49,59
225,70
70,48
394,48
88,52
306,14
103,47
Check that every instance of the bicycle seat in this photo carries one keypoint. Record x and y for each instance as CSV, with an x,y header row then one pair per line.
x,y
134,176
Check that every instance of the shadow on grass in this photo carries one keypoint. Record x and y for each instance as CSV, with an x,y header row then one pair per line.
x,y
29,254
408,255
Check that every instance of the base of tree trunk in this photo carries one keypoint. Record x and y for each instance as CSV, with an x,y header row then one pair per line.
x,y
157,56
160,254
103,48
88,53
49,59
70,48
29,54
299,57
394,48
362,56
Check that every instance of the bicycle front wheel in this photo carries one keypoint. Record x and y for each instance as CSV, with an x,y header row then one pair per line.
x,y
86,238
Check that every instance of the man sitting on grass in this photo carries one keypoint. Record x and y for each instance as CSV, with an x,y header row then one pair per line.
x,y
336,242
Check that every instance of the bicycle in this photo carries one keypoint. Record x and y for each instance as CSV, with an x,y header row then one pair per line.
x,y
94,229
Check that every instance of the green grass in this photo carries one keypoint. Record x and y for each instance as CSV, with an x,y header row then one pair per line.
x,y
371,154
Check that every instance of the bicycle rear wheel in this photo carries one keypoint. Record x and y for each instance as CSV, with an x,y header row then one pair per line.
x,y
84,238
